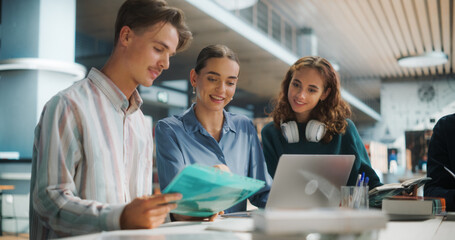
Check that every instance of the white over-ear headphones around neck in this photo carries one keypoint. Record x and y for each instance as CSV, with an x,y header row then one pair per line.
x,y
314,131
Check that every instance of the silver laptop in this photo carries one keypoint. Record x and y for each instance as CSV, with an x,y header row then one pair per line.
x,y
309,181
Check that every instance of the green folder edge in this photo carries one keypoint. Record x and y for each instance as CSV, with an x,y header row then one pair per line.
x,y
221,177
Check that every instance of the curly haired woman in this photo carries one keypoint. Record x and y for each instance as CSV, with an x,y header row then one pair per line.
x,y
310,104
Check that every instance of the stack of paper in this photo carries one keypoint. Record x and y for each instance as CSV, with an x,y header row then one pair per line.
x,y
208,190
321,220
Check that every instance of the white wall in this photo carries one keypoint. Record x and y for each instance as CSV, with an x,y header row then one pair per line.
x,y
403,108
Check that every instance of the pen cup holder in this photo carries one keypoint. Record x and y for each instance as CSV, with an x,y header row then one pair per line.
x,y
355,197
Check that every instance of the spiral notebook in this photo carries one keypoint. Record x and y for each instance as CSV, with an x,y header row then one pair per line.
x,y
209,190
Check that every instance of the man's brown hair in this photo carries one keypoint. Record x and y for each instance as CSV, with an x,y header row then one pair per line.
x,y
141,14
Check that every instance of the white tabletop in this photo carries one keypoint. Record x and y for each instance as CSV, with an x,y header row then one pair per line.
x,y
181,231
242,228
413,229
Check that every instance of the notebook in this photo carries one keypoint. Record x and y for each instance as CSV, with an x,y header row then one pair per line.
x,y
309,181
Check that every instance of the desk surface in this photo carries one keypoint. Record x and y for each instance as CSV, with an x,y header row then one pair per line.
x,y
237,228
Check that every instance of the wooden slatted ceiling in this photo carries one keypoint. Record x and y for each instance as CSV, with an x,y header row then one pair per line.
x,y
435,30
374,33
329,33
409,9
363,29
404,30
336,15
421,10
379,39
453,40
387,32
352,27
392,21
445,27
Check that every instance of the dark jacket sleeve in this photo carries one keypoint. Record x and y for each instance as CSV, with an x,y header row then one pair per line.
x,y
441,153
371,174
358,149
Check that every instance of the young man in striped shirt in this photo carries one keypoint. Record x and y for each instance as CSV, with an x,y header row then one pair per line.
x,y
92,155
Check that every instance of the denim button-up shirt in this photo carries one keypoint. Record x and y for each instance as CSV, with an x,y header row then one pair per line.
x,y
181,140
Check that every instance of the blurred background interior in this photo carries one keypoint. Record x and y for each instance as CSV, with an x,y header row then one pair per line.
x,y
394,58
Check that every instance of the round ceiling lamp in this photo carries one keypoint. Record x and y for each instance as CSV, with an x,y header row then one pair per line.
x,y
236,4
423,60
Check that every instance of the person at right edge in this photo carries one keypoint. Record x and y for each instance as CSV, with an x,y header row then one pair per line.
x,y
441,155
310,104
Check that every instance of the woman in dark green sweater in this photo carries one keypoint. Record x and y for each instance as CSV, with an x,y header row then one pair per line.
x,y
309,105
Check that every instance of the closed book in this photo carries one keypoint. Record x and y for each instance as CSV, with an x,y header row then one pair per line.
x,y
321,220
412,208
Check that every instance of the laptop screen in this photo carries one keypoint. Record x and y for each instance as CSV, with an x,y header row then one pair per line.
x,y
308,181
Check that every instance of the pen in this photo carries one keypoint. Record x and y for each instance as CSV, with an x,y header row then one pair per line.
x,y
361,179
366,181
358,192
358,180
354,194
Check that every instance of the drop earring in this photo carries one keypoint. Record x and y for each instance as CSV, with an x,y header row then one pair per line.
x,y
194,90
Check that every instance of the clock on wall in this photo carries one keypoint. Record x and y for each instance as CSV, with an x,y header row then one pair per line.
x,y
426,93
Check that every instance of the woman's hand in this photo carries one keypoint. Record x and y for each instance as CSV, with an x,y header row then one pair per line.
x,y
222,167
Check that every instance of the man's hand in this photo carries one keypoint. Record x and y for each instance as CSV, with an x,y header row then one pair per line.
x,y
199,219
148,212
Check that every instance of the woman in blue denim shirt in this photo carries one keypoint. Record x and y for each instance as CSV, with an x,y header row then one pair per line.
x,y
206,134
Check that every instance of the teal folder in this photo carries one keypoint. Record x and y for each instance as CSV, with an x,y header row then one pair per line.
x,y
209,190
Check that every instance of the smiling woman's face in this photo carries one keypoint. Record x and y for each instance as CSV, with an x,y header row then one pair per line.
x,y
216,83
306,88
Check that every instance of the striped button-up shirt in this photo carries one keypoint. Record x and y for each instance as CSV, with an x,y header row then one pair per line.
x,y
92,155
